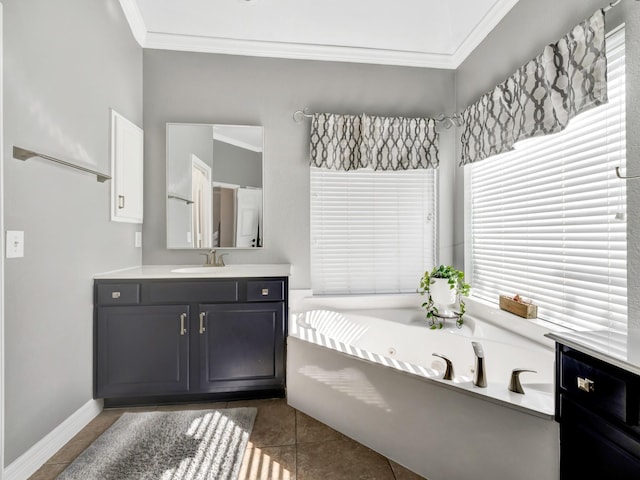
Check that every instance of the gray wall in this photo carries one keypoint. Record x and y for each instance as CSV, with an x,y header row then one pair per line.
x,y
207,88
236,165
520,36
66,64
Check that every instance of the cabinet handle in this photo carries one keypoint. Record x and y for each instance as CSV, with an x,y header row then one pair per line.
x,y
202,329
265,292
183,317
120,201
586,385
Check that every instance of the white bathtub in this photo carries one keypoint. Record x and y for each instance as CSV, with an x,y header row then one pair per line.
x,y
370,374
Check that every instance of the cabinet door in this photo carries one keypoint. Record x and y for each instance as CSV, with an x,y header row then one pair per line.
x,y
241,346
127,149
142,351
591,447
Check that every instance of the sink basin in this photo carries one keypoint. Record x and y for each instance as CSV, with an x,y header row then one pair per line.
x,y
197,270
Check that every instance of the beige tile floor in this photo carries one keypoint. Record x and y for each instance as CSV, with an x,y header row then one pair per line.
x,y
285,444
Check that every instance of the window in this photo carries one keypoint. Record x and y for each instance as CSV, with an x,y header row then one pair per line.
x,y
547,220
371,232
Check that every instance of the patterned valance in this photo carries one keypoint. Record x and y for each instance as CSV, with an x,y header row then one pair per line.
x,y
350,142
567,78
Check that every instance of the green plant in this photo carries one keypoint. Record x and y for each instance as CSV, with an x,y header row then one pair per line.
x,y
455,279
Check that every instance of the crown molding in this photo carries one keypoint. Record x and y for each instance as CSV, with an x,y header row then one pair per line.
x,y
297,51
135,20
480,32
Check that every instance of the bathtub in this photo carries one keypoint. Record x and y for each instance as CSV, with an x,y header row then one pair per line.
x,y
370,374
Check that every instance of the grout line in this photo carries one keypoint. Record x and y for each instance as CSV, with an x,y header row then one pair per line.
x,y
295,434
391,468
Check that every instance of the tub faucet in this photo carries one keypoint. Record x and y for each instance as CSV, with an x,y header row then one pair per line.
x,y
479,376
514,385
448,372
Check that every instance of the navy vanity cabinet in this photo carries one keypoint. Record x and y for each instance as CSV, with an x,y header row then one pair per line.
x,y
142,350
241,346
598,407
170,340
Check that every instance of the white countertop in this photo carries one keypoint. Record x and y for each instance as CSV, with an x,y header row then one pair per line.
x,y
621,350
169,271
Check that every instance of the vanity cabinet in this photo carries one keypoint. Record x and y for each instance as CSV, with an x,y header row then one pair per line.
x,y
598,407
191,339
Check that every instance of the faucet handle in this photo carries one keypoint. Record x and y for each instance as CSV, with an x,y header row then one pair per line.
x,y
514,384
448,372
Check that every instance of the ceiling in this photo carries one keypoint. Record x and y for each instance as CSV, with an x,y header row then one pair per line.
x,y
421,33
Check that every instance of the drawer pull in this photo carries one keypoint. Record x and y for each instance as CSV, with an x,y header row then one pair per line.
x,y
586,385
202,329
265,292
115,294
183,317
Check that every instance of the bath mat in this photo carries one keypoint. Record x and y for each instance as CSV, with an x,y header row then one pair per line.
x,y
181,445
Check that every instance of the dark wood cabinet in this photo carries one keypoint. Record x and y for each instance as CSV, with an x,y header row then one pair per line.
x,y
238,345
189,340
142,350
597,405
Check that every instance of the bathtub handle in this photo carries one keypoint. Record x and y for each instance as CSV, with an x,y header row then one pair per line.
x,y
514,385
448,372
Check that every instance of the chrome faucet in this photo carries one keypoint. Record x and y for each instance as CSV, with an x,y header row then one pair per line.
x,y
213,260
448,372
479,375
514,385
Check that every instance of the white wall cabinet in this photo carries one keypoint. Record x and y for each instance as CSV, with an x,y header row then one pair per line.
x,y
127,151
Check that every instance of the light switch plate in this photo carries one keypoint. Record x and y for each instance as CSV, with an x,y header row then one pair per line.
x,y
15,244
138,241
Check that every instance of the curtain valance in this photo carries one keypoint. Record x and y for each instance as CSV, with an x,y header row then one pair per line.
x,y
350,142
567,78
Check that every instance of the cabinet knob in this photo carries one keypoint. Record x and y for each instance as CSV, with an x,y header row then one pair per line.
x,y
183,318
202,329
265,292
120,201
115,294
586,385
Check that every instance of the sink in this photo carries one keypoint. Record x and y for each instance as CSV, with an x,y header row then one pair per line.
x,y
197,270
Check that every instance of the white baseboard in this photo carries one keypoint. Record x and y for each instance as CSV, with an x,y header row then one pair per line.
x,y
30,461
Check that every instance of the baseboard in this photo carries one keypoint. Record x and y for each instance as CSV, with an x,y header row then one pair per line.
x,y
30,461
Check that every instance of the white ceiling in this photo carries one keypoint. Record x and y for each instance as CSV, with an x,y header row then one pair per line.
x,y
424,33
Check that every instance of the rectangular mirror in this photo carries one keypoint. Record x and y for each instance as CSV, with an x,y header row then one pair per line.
x,y
214,186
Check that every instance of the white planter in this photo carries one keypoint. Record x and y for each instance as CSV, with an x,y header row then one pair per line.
x,y
442,294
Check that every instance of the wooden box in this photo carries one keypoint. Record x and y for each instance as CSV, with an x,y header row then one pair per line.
x,y
524,310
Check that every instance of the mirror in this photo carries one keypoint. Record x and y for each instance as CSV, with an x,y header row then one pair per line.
x,y
214,186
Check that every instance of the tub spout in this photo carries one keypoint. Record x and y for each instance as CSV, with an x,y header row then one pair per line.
x,y
448,372
514,385
479,375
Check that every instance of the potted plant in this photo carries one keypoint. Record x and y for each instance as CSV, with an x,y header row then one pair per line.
x,y
443,286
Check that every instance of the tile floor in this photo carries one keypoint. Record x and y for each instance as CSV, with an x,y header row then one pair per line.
x,y
285,444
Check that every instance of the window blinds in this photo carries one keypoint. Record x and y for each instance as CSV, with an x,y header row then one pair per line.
x,y
547,219
371,232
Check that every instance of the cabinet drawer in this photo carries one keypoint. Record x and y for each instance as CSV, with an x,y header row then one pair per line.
x,y
261,290
192,291
592,384
119,294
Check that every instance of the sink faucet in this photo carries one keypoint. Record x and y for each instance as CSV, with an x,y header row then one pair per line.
x,y
479,375
213,260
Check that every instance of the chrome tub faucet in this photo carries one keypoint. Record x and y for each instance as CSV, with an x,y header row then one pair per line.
x,y
479,375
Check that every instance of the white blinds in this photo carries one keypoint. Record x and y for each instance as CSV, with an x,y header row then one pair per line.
x,y
371,232
547,219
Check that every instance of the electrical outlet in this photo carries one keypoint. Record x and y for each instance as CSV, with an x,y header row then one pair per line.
x,y
138,241
15,244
